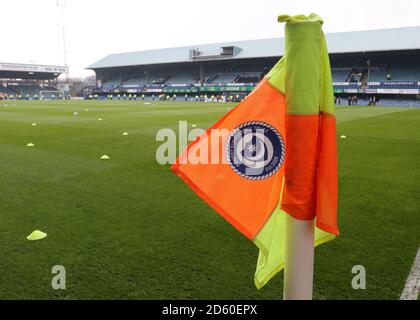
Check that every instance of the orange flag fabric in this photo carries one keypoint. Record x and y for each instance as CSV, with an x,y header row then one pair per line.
x,y
275,153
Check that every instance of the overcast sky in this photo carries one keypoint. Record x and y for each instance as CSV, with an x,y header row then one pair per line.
x,y
31,29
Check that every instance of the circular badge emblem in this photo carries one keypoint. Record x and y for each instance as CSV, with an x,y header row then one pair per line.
x,y
255,150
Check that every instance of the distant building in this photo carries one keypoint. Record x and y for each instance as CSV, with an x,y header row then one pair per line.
x,y
31,81
377,62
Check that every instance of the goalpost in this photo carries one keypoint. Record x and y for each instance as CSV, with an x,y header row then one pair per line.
x,y
52,95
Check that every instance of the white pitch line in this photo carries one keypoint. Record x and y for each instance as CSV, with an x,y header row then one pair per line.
x,y
412,285
383,113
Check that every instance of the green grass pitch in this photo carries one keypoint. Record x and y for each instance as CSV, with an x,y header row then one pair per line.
x,y
129,228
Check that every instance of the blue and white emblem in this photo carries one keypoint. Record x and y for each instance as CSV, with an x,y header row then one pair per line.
x,y
255,150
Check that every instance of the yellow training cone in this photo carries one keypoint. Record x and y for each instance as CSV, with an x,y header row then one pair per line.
x,y
105,157
34,124
100,119
343,137
125,134
36,235
30,145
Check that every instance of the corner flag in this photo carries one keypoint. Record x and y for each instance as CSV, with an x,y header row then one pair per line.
x,y
279,153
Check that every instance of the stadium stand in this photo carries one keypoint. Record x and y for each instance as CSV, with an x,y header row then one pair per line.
x,y
112,83
377,75
27,81
182,77
135,82
340,75
27,90
248,78
6,90
224,78
383,63
405,73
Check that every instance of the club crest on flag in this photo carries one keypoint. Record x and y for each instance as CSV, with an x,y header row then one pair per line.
x,y
255,150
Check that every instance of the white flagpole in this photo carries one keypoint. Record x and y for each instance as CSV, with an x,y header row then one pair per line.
x,y
302,83
299,259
